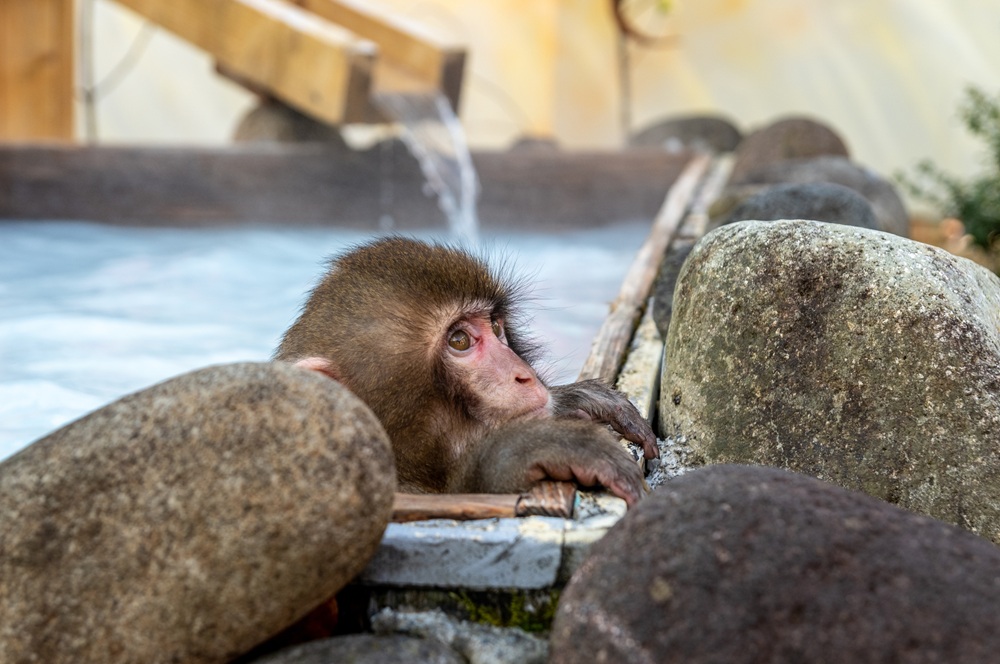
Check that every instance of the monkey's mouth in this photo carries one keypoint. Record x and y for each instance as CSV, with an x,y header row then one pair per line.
x,y
539,413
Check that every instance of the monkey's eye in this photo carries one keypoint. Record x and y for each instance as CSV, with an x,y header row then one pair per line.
x,y
460,340
497,328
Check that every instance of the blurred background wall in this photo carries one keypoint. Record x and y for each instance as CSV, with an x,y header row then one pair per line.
x,y
888,74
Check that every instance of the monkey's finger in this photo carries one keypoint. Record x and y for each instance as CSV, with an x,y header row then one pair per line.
x,y
634,427
624,481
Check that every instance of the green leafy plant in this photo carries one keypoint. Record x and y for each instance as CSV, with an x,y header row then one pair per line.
x,y
975,202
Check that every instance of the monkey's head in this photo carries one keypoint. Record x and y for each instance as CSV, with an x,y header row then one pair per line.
x,y
419,332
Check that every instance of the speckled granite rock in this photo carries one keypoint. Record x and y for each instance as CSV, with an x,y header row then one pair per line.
x,y
367,649
854,356
787,138
757,565
189,521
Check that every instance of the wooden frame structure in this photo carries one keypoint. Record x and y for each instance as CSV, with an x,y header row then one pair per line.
x,y
36,70
322,57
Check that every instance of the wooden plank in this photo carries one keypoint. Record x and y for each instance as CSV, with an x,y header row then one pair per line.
x,y
302,59
36,70
310,184
690,232
639,379
696,221
608,350
405,46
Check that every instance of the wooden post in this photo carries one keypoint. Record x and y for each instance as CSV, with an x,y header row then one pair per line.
x,y
36,70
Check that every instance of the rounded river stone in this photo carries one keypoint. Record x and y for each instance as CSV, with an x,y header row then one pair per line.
x,y
878,191
700,132
752,565
367,649
818,201
191,520
787,138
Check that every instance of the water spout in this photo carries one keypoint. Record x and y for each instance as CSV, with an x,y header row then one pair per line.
x,y
435,136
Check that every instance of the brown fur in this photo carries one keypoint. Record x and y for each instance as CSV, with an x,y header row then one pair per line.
x,y
380,317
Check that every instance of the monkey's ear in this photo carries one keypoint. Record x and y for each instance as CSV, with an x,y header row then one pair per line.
x,y
320,364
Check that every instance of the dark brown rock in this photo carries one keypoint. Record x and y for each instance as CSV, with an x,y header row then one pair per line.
x,y
367,649
881,193
788,138
818,201
734,564
697,132
273,122
191,520
858,357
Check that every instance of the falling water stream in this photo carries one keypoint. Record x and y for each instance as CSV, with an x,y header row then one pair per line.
x,y
435,136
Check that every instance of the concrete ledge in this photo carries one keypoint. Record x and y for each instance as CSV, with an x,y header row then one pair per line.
x,y
527,553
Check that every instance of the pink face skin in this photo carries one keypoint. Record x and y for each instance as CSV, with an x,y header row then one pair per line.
x,y
476,347
477,353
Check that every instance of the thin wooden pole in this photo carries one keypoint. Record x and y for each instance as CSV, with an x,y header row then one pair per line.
x,y
612,341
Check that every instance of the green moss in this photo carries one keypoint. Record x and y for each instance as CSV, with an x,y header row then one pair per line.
x,y
531,613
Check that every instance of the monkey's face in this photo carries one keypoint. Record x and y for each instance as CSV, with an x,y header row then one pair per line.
x,y
495,384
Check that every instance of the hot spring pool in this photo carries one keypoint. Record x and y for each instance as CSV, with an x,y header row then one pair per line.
x,y
89,312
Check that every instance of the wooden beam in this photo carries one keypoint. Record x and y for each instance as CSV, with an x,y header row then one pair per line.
x,y
409,54
309,184
300,58
36,70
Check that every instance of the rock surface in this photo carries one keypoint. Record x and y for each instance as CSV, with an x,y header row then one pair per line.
x,y
273,121
788,138
367,649
191,520
854,356
881,193
818,201
757,565
699,132
478,644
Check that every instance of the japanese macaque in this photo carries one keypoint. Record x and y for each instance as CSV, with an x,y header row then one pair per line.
x,y
428,337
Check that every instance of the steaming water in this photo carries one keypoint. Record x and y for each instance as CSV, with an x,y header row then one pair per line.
x,y
89,313
436,138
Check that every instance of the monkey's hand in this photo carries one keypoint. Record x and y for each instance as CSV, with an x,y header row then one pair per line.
x,y
518,455
593,400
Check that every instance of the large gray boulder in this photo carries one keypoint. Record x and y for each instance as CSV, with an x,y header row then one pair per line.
x,y
191,520
854,356
787,138
757,565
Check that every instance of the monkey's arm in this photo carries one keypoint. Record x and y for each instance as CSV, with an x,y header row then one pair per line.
x,y
593,400
516,456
